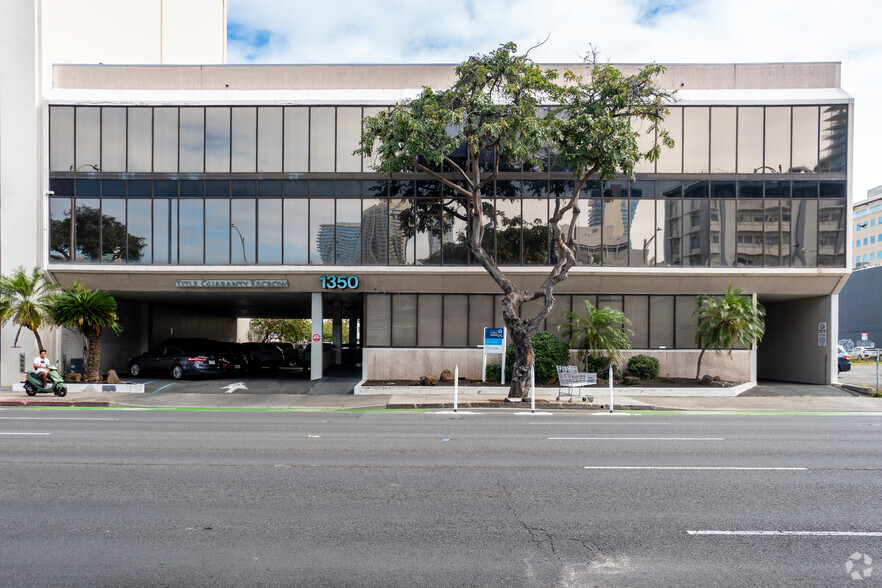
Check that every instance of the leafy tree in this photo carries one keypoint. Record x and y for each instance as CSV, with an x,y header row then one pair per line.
x,y
293,329
504,112
88,311
26,299
726,322
98,236
599,332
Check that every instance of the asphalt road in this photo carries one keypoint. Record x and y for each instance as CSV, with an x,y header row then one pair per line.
x,y
861,375
156,498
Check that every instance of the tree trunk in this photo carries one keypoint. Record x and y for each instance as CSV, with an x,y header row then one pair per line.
x,y
93,338
39,341
698,369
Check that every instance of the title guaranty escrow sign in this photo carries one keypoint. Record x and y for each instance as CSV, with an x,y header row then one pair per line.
x,y
231,283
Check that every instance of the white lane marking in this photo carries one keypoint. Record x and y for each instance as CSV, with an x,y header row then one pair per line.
x,y
689,468
2,433
55,419
230,388
595,424
792,533
636,439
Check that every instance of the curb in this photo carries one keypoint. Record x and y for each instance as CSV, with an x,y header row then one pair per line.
x,y
862,390
521,406
83,403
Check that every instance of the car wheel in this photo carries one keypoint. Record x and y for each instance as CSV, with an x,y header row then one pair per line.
x,y
177,372
135,370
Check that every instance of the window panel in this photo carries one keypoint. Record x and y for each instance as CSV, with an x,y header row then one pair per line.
x,y
661,322
696,139
724,122
321,231
686,322
296,148
375,232
535,230
192,218
60,230
643,232
645,140
374,159
428,234
508,223
217,140
776,240
671,160
750,139
217,232
455,230
321,139
269,231
805,138
834,139
348,231
696,232
88,138
87,234
61,138
269,139
140,140
348,139
481,315
668,216
243,217
165,139
831,233
401,239
722,233
378,326
777,142
296,237
164,232
749,233
430,320
113,230
456,309
140,246
244,139
404,320
616,220
113,139
637,311
192,141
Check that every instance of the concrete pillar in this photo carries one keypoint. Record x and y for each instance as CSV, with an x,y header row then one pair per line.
x,y
833,341
353,336
337,332
316,368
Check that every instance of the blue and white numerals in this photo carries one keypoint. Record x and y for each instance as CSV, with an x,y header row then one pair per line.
x,y
339,282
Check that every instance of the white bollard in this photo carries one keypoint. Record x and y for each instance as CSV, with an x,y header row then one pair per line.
x,y
610,388
455,387
532,389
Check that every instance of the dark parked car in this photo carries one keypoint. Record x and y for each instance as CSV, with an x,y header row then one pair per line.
x,y
843,359
232,356
264,355
291,356
176,361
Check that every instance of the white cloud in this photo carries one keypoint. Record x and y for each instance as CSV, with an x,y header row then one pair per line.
x,y
625,31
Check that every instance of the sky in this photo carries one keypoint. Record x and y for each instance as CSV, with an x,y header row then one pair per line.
x,y
623,31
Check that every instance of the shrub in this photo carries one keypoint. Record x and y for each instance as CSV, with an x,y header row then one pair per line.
x,y
599,364
643,367
493,372
548,353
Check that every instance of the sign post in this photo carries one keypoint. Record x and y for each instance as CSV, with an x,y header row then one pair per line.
x,y
494,342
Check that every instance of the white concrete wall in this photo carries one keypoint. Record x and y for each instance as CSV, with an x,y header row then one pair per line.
x,y
411,364
789,350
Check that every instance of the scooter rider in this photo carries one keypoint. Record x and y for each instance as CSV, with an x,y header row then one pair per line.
x,y
41,366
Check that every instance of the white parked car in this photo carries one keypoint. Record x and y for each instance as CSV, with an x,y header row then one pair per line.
x,y
864,352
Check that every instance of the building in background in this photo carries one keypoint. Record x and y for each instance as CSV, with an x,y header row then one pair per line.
x,y
868,230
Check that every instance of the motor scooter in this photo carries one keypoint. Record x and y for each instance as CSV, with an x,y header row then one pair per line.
x,y
33,384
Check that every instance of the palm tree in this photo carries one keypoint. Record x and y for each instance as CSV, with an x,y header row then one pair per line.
x,y
88,311
723,323
600,331
26,299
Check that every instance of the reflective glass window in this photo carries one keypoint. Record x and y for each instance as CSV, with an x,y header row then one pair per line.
x,y
777,142
217,188
165,237
217,232
113,188
481,315
750,189
508,222
296,139
87,233
378,320
375,231
834,139
113,230
616,238
749,233
348,139
62,187
192,139
140,246
61,138
269,231
777,189
724,122
88,187
636,308
243,188
244,139
645,141
113,139
404,320
140,139
671,159
192,218
456,311
243,224
661,322
373,161
696,139
831,233
805,189
535,224
296,231
836,190
269,139
401,236
692,189
643,232
348,231
88,139
750,139
140,188
321,188
321,231
722,233
269,188
430,315
696,232
217,139
723,189
668,215
321,139
805,139
165,139
428,223
60,230
348,188
685,322
455,229
776,240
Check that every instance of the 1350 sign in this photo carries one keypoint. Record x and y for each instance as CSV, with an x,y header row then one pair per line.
x,y
339,282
